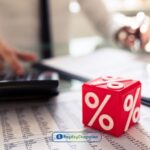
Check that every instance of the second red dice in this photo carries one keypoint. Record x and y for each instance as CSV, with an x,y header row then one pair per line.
x,y
111,104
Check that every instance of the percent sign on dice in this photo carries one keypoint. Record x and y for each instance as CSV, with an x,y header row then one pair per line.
x,y
98,104
129,105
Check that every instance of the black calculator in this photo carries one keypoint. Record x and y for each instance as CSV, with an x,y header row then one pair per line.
x,y
33,84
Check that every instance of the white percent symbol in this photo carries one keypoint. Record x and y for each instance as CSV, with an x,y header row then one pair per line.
x,y
129,105
112,82
94,105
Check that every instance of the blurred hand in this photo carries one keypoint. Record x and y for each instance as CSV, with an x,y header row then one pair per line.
x,y
13,57
135,35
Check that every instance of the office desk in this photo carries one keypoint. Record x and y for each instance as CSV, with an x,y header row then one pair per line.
x,y
30,125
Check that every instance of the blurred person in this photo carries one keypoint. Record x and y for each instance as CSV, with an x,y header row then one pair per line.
x,y
25,14
130,32
13,57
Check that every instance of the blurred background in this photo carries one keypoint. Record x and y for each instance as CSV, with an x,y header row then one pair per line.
x,y
78,30
70,28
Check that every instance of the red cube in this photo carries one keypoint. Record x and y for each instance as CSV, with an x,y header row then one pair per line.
x,y
111,104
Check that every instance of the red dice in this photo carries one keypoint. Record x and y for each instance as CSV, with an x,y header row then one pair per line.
x,y
111,104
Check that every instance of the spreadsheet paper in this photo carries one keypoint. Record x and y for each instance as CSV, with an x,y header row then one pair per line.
x,y
29,126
